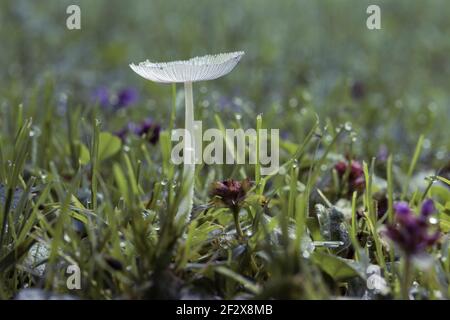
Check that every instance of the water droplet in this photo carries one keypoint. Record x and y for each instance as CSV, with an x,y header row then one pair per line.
x,y
348,126
205,103
433,220
238,116
66,237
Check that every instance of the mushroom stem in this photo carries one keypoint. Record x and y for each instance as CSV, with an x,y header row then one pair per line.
x,y
189,153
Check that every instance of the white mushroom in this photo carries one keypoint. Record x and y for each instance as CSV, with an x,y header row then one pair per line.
x,y
204,68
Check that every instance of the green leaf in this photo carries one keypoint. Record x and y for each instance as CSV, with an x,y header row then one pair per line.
x,y
338,268
83,152
440,193
445,223
446,181
108,145
246,283
444,218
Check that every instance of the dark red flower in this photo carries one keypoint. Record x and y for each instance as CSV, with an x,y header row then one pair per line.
x,y
355,178
230,193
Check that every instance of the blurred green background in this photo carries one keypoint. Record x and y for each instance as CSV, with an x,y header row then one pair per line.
x,y
302,57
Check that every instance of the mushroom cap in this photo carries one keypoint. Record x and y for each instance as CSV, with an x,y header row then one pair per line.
x,y
208,67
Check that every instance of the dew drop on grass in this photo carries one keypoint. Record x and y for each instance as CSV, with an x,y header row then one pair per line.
x,y
164,182
66,238
348,126
205,103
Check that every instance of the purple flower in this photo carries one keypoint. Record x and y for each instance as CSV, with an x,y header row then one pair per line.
x,y
102,97
122,133
126,97
402,208
411,231
427,208
148,129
